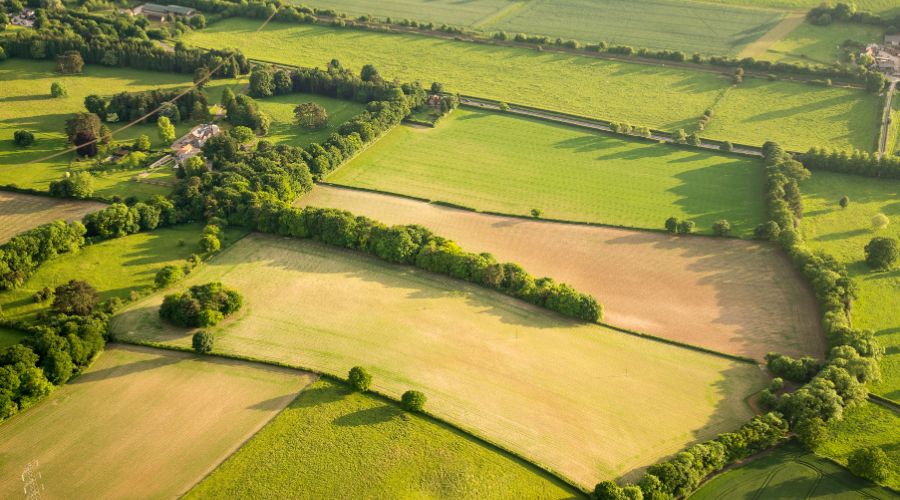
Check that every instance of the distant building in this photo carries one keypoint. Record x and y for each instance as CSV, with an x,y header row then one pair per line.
x,y
893,40
162,13
191,143
25,19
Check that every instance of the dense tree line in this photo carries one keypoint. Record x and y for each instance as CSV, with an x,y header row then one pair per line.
x,y
129,106
200,305
119,219
857,163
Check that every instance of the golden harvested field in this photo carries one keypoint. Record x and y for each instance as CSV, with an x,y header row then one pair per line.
x,y
142,422
21,212
733,296
586,401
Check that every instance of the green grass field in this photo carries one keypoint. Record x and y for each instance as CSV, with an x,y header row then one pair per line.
x,y
843,233
892,145
666,98
466,13
657,24
881,6
116,267
9,337
332,443
759,110
286,131
813,44
504,163
524,378
141,422
789,472
864,426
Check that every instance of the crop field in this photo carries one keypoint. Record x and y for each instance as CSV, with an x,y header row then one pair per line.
x,y
20,212
813,44
331,443
142,420
45,117
284,128
502,163
759,110
865,426
487,362
116,268
789,472
454,12
667,98
705,291
9,337
844,233
880,6
656,24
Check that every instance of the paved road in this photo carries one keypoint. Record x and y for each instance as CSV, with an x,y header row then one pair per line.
x,y
588,123
886,119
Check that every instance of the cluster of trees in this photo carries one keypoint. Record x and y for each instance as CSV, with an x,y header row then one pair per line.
x,y
675,225
59,345
21,255
119,219
628,129
69,62
242,110
847,12
882,253
800,370
129,106
78,185
857,163
415,245
311,115
201,305
680,476
86,132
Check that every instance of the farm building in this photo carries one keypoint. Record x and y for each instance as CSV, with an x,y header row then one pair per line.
x,y
189,144
25,19
162,13
892,40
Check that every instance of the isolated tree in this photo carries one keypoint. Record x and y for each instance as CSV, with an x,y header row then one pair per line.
x,y
311,115
69,62
83,130
23,138
142,143
58,90
359,379
871,463
168,275
882,253
242,134
202,342
844,201
536,213
413,400
721,227
880,221
671,224
369,74
166,130
75,297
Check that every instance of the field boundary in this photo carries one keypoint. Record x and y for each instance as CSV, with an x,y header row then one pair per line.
x,y
704,350
556,475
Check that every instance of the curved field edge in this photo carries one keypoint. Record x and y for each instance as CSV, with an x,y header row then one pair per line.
x,y
140,413
706,292
489,364
797,115
333,443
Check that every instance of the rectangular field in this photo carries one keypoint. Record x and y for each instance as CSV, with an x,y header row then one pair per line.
x,y
844,233
142,422
453,12
653,95
284,129
332,443
21,212
503,163
116,268
656,24
558,392
704,291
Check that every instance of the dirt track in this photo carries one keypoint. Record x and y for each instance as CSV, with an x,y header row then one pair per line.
x,y
730,295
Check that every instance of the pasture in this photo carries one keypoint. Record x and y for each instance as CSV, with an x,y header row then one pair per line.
x,y
880,6
844,233
864,426
27,104
468,13
21,212
688,26
9,337
502,163
526,379
653,95
332,443
706,292
142,420
758,110
789,472
116,267
811,44
284,129
892,145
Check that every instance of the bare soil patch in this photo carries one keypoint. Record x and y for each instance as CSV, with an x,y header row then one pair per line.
x,y
21,212
734,296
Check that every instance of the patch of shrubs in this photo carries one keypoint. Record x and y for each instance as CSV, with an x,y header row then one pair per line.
x,y
675,225
167,276
23,138
202,342
413,401
200,306
360,379
800,370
